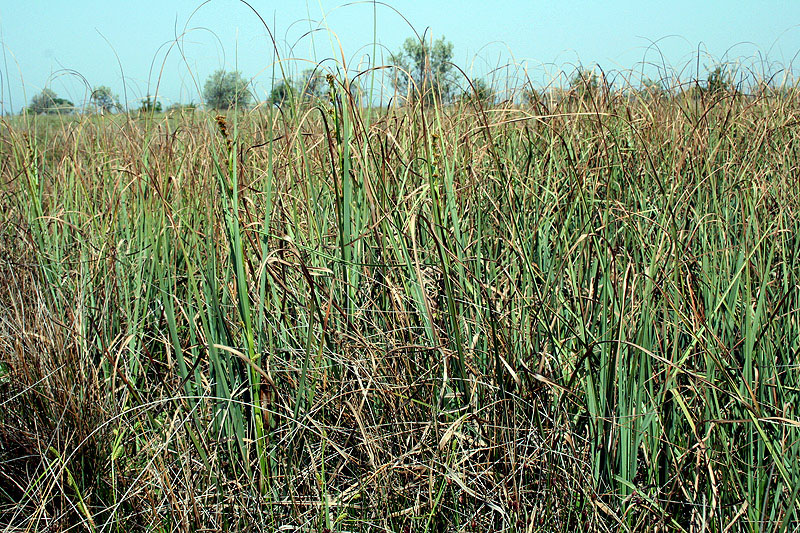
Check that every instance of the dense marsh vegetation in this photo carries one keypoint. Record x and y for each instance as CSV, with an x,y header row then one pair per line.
x,y
580,313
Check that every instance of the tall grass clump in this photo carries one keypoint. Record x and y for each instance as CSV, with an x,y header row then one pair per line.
x,y
581,312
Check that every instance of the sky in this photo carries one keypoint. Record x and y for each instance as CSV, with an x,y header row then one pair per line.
x,y
169,47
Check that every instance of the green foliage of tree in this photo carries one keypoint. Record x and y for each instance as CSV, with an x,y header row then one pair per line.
x,y
226,90
309,86
424,69
584,84
49,103
104,99
150,105
282,92
479,91
312,85
719,81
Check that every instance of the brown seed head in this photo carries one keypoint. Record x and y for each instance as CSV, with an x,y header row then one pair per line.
x,y
222,125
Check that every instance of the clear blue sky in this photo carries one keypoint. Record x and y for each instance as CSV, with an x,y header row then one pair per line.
x,y
65,45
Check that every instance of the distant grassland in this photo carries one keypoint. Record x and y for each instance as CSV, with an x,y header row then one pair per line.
x,y
577,316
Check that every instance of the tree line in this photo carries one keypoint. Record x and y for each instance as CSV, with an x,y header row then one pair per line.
x,y
423,72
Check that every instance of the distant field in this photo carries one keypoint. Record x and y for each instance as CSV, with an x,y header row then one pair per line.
x,y
579,315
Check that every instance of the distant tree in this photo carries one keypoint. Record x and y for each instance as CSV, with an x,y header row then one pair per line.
x,y
103,99
479,90
313,85
281,92
719,81
424,69
226,90
48,102
584,84
150,105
